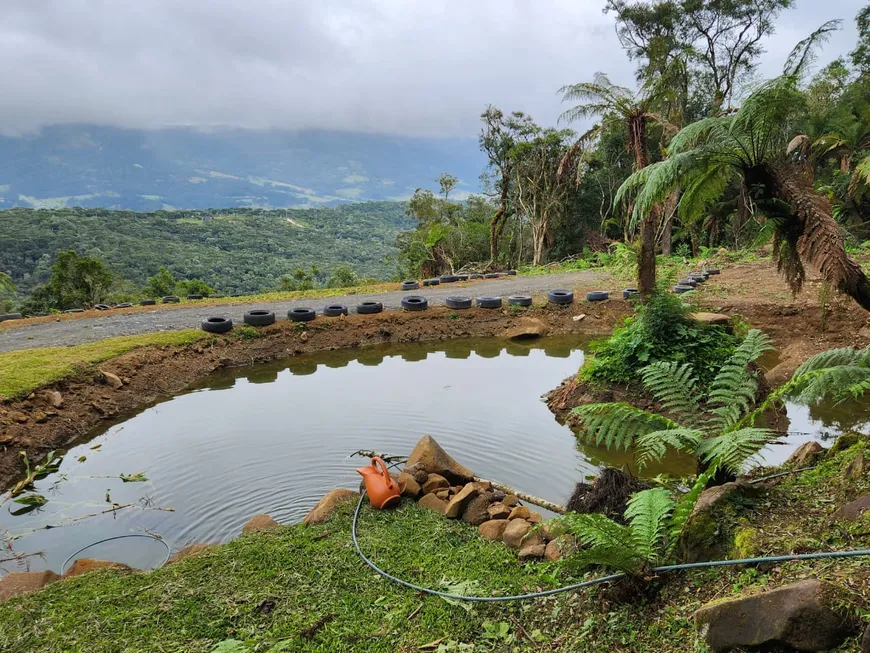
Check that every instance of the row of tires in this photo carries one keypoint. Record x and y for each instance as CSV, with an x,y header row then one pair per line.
x,y
453,278
693,279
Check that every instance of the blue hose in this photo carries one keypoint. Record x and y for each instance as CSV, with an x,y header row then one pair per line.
x,y
588,583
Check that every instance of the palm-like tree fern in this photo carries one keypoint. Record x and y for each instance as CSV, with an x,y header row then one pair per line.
x,y
748,149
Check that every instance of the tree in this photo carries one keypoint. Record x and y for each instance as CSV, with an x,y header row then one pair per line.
x,y
342,277
78,280
861,54
446,183
161,284
193,287
748,149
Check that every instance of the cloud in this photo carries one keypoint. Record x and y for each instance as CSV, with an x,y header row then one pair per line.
x,y
398,66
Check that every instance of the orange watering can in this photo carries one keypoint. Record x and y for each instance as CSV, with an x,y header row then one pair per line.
x,y
383,491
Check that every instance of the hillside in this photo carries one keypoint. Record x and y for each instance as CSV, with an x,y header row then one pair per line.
x,y
76,165
237,250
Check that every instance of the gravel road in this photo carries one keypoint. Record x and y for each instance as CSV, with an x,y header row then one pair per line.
x,y
75,332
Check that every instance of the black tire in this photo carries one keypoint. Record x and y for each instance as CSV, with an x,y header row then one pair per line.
x,y
301,315
462,277
459,303
124,305
560,297
512,273
449,278
102,307
491,275
410,285
628,293
10,316
217,325
195,296
597,295
713,271
431,282
334,310
680,289
259,317
698,278
519,300
74,310
369,308
489,302
687,282
147,302
171,299
475,276
415,303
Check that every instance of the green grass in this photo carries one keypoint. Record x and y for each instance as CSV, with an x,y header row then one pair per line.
x,y
25,370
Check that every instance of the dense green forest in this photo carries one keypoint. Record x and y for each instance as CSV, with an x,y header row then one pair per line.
x,y
233,250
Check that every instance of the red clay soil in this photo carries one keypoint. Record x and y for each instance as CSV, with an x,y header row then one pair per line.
x,y
34,426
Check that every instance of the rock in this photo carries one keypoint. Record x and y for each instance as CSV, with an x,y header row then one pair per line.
x,y
498,511
327,505
483,486
433,503
845,441
712,318
432,458
476,511
865,641
442,494
495,496
458,503
562,546
855,469
712,496
805,616
410,486
417,472
39,417
515,531
493,529
534,517
263,523
853,510
510,500
578,318
18,416
112,379
520,512
435,482
87,565
527,327
708,532
304,336
20,582
806,454
190,551
52,398
552,529
532,551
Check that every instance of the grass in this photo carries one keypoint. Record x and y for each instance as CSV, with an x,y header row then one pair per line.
x,y
304,589
23,371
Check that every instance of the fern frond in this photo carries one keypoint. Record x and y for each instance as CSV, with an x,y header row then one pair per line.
x,y
648,513
616,558
593,529
686,504
703,191
697,133
733,450
653,446
674,386
733,390
830,358
618,425
835,383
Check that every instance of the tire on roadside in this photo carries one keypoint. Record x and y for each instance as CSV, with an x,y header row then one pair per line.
x,y
489,302
629,293
415,303
559,296
259,318
102,307
431,282
148,302
171,299
124,305
369,308
597,295
10,316
475,276
217,325
458,302
448,278
680,289
334,310
301,315
410,285
519,300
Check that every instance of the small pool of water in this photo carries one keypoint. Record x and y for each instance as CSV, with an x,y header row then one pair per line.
x,y
274,438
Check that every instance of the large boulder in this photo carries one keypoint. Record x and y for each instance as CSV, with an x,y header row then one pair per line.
x,y
429,455
22,582
327,505
708,532
807,616
261,522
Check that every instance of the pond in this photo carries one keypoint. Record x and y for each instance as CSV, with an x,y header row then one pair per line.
x,y
274,438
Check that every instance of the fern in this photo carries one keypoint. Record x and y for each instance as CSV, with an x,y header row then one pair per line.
x,y
654,445
596,530
618,425
686,504
648,514
843,356
733,450
734,387
674,386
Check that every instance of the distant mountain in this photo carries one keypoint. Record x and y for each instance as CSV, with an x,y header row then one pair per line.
x,y
90,166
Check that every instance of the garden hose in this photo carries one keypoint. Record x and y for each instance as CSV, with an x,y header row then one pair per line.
x,y
121,537
594,581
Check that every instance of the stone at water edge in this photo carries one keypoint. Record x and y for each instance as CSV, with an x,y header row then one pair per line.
x,y
520,512
515,531
560,547
432,502
112,379
552,529
263,522
498,511
853,510
191,551
527,327
806,454
808,615
532,551
410,486
420,475
457,504
493,529
535,518
429,455
87,565
326,506
435,482
22,582
476,513
510,500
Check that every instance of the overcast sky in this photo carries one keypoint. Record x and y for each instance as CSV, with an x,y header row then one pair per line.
x,y
423,67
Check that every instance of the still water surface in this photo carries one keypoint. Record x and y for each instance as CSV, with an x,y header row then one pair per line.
x,y
274,438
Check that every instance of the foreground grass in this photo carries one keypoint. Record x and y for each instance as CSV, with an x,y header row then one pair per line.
x,y
25,370
304,589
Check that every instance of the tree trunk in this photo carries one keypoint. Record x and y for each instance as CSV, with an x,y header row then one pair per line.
x,y
539,234
497,226
668,228
646,264
814,233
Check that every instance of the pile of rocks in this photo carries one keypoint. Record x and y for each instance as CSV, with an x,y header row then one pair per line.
x,y
437,482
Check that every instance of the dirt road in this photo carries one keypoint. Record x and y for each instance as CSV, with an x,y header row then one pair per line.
x,y
87,329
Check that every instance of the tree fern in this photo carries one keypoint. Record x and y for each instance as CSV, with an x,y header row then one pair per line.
x,y
618,425
675,387
733,390
648,512
653,446
832,358
596,530
733,450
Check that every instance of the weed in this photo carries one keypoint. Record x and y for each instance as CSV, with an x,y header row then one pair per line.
x,y
452,316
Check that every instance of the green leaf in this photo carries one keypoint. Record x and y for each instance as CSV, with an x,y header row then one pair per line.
x,y
133,478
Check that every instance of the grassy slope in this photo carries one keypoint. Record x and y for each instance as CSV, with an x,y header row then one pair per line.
x,y
313,577
25,370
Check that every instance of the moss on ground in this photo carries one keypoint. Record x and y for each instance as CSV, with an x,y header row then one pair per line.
x,y
25,370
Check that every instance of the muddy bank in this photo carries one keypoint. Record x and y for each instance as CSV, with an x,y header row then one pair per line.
x,y
38,424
